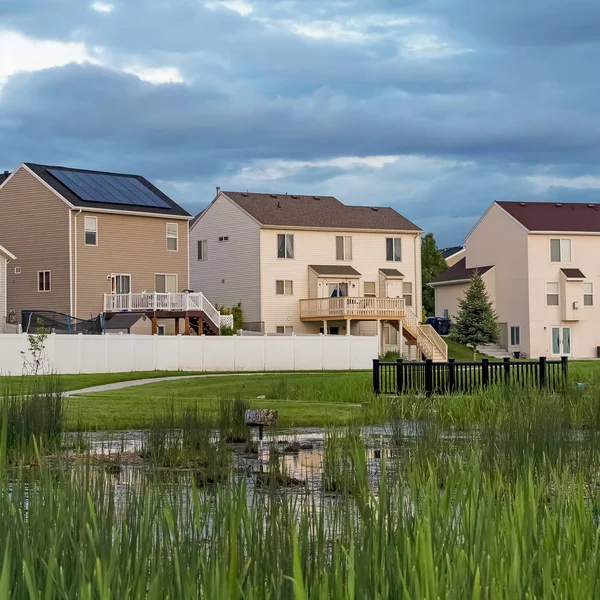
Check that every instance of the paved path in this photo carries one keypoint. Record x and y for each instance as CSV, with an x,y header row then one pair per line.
x,y
120,385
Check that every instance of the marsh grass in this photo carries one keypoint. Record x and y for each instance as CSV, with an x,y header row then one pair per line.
x,y
232,419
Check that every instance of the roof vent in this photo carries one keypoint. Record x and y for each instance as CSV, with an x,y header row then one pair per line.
x,y
245,194
591,206
522,203
273,195
278,204
295,197
375,208
558,204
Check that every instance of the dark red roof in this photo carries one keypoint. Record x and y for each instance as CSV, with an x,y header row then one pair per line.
x,y
555,216
459,272
573,273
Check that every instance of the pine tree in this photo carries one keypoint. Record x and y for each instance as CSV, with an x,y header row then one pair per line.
x,y
477,321
432,265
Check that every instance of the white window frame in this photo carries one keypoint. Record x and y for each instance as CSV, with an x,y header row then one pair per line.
x,y
44,281
114,276
17,270
165,275
588,283
170,236
562,244
515,340
406,294
372,294
160,328
284,329
87,230
557,294
288,290
346,247
396,241
202,249
288,245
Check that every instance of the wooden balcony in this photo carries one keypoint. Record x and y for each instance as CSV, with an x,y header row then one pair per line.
x,y
358,309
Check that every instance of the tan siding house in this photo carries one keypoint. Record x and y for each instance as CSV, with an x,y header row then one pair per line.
x,y
310,264
73,248
5,257
544,280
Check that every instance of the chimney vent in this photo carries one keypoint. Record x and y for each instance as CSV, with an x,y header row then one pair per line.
x,y
558,204
218,190
278,204
6,173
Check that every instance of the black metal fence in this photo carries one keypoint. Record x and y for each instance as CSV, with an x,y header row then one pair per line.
x,y
465,377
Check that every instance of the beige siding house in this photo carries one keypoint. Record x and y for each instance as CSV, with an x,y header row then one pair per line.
x,y
5,257
540,264
310,264
90,242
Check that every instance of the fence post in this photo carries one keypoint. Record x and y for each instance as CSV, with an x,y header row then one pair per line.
x,y
542,371
507,370
452,375
428,377
485,372
564,363
376,387
399,377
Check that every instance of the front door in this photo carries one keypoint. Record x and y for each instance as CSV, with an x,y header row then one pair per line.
x,y
394,288
561,341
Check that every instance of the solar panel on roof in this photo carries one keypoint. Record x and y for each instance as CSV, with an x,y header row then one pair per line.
x,y
112,189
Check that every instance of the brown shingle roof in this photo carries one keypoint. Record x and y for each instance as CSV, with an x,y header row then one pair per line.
x,y
391,272
552,216
335,270
573,274
318,211
459,272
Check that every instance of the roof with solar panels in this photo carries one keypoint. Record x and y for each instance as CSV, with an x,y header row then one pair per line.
x,y
109,191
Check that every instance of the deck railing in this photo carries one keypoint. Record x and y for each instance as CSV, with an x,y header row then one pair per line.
x,y
342,307
155,301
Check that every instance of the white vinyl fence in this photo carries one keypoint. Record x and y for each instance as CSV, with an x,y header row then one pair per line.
x,y
70,354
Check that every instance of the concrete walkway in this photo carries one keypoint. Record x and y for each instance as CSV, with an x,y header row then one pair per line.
x,y
120,385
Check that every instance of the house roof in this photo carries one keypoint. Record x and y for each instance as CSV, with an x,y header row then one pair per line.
x,y
318,211
451,251
4,175
555,216
391,272
345,270
41,171
573,274
122,321
4,252
459,272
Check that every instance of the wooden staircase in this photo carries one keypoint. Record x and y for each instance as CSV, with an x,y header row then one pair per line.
x,y
208,327
429,342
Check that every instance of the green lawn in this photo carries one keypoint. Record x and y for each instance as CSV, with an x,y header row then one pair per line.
x,y
459,352
302,399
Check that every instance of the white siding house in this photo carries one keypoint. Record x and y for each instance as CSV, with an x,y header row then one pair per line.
x,y
5,256
310,264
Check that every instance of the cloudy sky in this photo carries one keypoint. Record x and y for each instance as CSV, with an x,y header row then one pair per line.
x,y
436,107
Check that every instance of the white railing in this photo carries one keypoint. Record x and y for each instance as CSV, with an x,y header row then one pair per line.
x,y
170,302
226,321
433,340
352,307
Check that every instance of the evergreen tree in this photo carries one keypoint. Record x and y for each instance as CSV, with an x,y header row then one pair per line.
x,y
432,264
477,321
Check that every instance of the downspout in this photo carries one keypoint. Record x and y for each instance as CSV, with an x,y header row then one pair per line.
x,y
418,282
75,240
70,264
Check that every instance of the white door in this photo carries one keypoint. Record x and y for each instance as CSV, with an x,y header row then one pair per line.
x,y
394,288
561,341
120,284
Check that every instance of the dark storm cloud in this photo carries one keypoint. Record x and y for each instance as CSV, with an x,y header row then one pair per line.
x,y
497,91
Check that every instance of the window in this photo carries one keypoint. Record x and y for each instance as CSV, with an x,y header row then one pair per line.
x,y
393,249
44,281
285,245
91,231
164,283
172,236
161,330
202,249
120,284
588,294
392,336
343,247
369,289
17,270
223,238
287,329
407,293
284,287
560,251
337,290
552,293
515,336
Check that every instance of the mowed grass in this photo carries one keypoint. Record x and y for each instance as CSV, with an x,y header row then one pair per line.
x,y
302,399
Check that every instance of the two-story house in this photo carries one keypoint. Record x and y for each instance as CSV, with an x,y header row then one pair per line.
x,y
541,267
91,242
310,264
